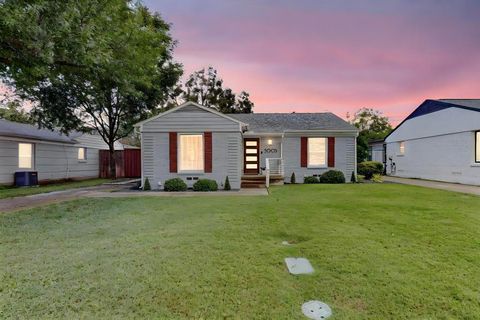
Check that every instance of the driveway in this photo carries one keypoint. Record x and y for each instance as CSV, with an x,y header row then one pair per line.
x,y
108,191
36,200
455,187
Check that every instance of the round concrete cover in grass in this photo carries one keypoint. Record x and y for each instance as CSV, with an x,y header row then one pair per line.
x,y
316,310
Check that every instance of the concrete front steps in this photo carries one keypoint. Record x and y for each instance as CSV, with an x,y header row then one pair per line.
x,y
255,181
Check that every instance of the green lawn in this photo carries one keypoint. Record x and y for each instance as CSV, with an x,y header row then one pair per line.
x,y
10,192
380,251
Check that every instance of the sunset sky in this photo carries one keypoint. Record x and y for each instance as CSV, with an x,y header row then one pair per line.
x,y
317,55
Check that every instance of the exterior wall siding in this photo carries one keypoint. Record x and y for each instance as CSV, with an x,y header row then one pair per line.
x,y
226,160
449,158
191,119
345,157
51,161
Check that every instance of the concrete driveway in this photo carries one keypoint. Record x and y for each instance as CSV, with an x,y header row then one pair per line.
x,y
37,200
455,187
108,191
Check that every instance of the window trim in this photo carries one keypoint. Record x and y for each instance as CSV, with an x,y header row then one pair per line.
x,y
320,166
84,154
32,156
179,146
477,142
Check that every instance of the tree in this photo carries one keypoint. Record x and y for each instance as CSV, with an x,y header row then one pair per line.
x,y
88,64
13,111
205,87
372,125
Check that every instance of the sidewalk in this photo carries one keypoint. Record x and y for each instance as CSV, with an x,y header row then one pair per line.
x,y
455,187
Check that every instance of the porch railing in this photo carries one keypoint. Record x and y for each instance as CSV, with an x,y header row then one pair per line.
x,y
273,166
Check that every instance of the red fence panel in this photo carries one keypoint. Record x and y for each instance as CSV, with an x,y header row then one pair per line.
x,y
132,163
127,163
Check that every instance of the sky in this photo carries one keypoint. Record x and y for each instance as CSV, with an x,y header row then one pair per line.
x,y
332,55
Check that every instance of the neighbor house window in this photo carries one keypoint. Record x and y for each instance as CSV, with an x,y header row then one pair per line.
x,y
25,155
402,147
477,146
191,152
82,153
317,152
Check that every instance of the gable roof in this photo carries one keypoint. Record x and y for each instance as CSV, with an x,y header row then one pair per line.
x,y
27,131
12,129
186,104
280,122
431,106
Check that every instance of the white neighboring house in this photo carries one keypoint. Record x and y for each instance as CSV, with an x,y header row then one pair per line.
x,y
440,141
54,156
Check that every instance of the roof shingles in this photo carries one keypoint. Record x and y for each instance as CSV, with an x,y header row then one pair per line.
x,y
280,122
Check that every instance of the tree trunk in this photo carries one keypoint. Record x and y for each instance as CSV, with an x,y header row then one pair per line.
x,y
112,163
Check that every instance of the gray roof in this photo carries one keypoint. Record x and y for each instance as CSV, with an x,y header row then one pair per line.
x,y
472,103
27,131
280,122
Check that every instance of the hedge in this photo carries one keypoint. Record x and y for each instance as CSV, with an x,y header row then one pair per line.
x,y
175,184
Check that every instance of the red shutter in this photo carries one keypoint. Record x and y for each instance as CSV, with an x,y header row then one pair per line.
x,y
303,152
173,151
208,151
331,152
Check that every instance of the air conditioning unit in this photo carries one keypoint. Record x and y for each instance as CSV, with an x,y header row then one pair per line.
x,y
26,178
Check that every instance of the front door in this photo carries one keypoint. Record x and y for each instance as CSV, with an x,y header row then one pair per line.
x,y
251,147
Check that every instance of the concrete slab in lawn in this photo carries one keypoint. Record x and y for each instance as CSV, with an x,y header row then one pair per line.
x,y
316,310
299,266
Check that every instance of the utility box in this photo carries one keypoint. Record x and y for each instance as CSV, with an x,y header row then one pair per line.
x,y
26,178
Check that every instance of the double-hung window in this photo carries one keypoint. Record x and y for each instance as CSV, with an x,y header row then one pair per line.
x,y
477,147
317,152
82,154
402,147
191,153
25,156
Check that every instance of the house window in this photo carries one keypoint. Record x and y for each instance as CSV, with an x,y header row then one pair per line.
x,y
82,154
25,155
402,147
317,152
477,146
191,152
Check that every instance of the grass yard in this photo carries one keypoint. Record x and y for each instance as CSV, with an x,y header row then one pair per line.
x,y
379,252
10,192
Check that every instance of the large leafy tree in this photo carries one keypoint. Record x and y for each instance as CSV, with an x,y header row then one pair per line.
x,y
206,88
101,64
13,111
372,125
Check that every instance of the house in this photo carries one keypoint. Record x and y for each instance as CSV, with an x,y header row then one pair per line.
x,y
193,142
376,150
53,155
440,140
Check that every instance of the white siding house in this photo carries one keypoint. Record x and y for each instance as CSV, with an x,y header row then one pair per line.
x,y
192,142
439,141
54,156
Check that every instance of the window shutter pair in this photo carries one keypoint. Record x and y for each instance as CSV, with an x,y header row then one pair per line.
x,y
304,152
173,147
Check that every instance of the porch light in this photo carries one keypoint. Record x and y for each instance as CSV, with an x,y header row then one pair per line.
x,y
269,142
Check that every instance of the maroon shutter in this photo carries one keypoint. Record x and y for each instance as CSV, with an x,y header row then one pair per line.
x,y
208,151
303,152
331,152
173,151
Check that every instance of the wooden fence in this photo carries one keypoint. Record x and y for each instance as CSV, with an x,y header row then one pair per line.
x,y
127,163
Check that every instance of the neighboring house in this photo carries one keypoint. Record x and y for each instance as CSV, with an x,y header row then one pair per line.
x,y
376,150
440,140
54,156
193,142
